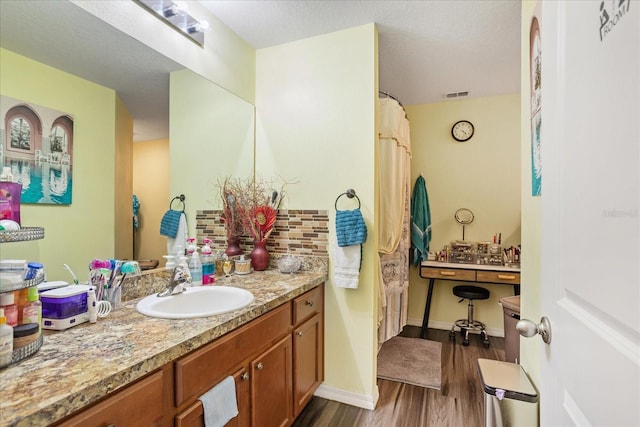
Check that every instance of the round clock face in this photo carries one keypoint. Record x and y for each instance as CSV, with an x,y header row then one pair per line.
x,y
462,130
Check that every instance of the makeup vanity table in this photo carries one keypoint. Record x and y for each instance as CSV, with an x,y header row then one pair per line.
x,y
434,270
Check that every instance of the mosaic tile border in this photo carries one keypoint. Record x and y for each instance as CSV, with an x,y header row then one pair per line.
x,y
303,233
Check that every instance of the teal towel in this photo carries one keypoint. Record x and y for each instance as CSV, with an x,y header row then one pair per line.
x,y
169,223
350,228
420,221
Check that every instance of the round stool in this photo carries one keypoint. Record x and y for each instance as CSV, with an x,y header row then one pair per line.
x,y
471,293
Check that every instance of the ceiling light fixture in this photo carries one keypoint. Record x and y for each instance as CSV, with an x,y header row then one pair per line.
x,y
170,11
178,17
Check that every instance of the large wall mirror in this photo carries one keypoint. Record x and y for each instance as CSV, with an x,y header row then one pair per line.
x,y
210,130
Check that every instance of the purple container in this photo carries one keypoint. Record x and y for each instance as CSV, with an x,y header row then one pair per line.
x,y
64,302
10,193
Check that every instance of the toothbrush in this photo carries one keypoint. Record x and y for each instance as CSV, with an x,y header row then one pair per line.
x,y
131,267
75,279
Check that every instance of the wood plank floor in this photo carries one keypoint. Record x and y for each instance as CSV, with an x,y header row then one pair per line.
x,y
459,402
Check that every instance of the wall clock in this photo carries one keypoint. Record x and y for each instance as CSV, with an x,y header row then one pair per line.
x,y
462,130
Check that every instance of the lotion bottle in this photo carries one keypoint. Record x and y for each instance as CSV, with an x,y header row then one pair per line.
x,y
195,269
208,264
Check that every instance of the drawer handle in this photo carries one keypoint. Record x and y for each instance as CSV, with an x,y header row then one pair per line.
x,y
259,366
245,376
506,276
299,333
309,303
447,273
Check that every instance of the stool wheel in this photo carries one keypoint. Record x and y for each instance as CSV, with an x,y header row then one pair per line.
x,y
485,338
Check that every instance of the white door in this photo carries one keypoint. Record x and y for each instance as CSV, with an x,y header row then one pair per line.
x,y
590,203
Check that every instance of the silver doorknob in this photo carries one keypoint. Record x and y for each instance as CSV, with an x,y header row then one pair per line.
x,y
528,329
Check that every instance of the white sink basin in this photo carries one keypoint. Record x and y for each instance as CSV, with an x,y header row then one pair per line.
x,y
201,301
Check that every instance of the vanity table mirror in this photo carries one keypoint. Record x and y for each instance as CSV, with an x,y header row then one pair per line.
x,y
464,217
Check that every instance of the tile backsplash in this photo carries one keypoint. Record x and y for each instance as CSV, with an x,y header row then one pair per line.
x,y
304,233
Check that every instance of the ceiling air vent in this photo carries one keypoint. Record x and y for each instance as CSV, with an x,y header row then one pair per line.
x,y
452,95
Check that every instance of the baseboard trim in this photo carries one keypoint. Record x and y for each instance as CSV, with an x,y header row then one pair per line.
x,y
347,397
437,324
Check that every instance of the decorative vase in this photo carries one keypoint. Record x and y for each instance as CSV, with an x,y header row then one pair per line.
x,y
260,255
233,246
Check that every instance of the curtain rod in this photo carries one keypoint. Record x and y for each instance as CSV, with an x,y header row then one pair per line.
x,y
387,94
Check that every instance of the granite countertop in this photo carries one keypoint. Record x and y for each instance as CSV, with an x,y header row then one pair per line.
x,y
76,367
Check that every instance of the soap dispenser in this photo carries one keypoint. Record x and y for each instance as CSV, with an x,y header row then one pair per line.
x,y
195,266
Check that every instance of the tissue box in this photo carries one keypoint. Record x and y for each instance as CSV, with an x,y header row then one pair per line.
x,y
64,302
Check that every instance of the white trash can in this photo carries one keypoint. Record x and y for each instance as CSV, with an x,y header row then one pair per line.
x,y
507,390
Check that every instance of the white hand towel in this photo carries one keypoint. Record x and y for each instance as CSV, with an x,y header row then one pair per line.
x,y
346,266
180,241
220,404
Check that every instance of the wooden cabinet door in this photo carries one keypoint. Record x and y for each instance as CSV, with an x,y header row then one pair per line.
x,y
243,395
308,357
193,416
140,404
271,386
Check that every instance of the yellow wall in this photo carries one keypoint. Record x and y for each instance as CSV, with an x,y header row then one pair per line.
x,y
151,186
531,225
123,210
315,124
211,136
481,174
91,214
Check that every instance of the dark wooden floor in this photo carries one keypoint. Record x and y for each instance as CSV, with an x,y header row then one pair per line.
x,y
459,402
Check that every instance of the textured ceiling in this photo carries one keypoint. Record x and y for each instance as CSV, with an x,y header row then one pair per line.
x,y
426,48
64,36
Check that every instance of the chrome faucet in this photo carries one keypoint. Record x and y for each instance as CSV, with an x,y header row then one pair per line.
x,y
179,278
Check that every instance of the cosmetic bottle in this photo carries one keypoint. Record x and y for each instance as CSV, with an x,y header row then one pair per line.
x,y
195,269
32,311
21,299
7,303
208,264
6,174
6,340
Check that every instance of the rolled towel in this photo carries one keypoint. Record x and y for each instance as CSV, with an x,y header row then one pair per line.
x,y
170,223
350,228
220,404
346,266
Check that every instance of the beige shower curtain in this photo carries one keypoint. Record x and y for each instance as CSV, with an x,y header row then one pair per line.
x,y
394,239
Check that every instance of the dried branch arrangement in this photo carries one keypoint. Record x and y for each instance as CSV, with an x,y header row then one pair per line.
x,y
250,206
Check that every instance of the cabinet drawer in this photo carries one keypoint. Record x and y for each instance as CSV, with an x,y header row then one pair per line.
x,y
308,304
139,404
499,277
197,372
447,274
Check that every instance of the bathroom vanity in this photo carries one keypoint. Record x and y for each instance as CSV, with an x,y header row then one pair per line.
x,y
129,369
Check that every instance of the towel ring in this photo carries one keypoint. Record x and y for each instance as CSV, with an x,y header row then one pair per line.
x,y
180,198
350,193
